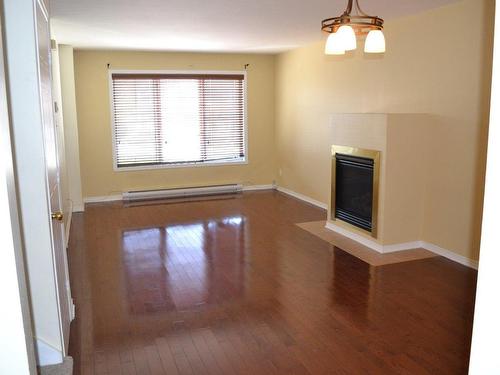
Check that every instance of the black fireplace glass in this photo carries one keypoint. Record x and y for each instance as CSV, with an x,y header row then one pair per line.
x,y
354,190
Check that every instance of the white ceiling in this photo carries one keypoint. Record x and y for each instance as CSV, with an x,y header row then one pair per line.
x,y
207,25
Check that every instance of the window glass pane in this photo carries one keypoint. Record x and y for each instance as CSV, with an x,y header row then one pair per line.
x,y
180,120
223,119
135,128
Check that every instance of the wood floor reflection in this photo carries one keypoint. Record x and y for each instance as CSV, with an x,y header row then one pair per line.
x,y
174,268
233,286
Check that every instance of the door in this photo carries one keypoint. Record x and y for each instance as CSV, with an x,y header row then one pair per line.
x,y
52,166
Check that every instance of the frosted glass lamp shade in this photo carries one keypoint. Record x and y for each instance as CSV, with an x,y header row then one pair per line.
x,y
334,45
347,37
375,42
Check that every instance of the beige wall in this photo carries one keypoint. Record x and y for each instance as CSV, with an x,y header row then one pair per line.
x,y
432,66
94,121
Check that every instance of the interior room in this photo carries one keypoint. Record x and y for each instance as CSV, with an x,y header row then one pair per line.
x,y
224,187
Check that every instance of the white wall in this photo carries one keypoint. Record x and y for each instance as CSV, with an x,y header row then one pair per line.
x,y
16,347
485,357
72,147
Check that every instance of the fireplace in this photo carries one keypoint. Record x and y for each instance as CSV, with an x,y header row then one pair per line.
x,y
355,188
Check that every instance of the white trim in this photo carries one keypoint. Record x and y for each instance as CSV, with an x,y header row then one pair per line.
x,y
359,238
243,161
67,229
105,198
79,208
402,246
450,255
258,187
302,197
72,310
245,115
182,165
47,354
112,115
384,249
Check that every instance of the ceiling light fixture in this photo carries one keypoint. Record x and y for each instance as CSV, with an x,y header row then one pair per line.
x,y
353,22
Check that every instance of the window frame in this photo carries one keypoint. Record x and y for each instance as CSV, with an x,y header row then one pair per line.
x,y
187,164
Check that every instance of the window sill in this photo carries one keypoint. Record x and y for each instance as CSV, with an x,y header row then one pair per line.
x,y
179,165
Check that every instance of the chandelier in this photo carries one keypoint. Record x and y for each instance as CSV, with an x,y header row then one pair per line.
x,y
353,22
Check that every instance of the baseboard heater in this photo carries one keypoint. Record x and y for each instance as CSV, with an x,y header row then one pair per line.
x,y
181,192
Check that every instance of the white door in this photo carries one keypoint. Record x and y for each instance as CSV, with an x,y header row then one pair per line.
x,y
52,165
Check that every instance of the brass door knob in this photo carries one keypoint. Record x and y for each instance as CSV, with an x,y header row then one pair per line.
x,y
57,216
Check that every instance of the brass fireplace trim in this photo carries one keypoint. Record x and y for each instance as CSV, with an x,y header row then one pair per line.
x,y
360,152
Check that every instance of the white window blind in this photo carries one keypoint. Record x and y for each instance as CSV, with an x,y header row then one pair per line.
x,y
171,119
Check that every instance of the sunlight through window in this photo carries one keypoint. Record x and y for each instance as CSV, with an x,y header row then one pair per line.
x,y
178,119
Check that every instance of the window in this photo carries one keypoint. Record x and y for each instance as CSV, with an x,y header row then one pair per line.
x,y
172,119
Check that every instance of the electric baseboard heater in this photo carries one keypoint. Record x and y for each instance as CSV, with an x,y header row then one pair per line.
x,y
131,196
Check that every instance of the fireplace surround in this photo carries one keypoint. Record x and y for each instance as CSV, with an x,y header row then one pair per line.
x,y
401,142
410,174
354,195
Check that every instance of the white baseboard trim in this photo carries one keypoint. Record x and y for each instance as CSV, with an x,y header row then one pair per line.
x,y
47,354
384,249
258,187
374,245
302,197
104,198
79,208
450,255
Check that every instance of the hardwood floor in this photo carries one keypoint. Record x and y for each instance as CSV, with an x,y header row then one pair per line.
x,y
233,286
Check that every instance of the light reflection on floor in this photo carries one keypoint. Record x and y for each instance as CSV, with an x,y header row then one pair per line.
x,y
176,267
